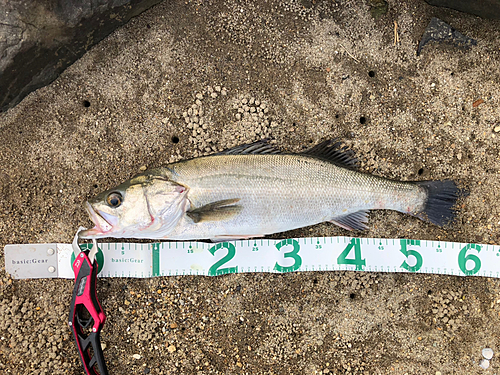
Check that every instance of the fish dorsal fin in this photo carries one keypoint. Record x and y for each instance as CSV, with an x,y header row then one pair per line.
x,y
331,151
215,211
355,221
257,148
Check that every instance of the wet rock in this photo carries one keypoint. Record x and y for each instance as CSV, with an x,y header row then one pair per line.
x,y
483,8
439,31
41,38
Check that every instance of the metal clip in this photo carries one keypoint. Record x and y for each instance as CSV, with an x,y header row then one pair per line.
x,y
86,317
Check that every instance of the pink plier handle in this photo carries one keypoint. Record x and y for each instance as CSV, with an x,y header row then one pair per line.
x,y
86,311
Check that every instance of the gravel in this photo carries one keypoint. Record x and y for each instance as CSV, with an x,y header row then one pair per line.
x,y
285,71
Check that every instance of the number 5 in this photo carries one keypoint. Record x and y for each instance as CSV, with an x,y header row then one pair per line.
x,y
414,253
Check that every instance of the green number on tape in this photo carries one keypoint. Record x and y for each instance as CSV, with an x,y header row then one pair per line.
x,y
414,253
292,254
231,251
462,259
357,261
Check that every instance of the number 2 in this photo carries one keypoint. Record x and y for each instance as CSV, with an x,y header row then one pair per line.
x,y
231,251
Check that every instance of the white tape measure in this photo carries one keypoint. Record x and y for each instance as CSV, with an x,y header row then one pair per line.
x,y
264,255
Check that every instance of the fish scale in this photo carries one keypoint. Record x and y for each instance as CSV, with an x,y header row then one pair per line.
x,y
283,192
254,190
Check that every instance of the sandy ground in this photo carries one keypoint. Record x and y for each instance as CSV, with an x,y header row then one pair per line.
x,y
125,105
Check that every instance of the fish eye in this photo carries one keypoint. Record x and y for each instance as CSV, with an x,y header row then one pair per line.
x,y
114,199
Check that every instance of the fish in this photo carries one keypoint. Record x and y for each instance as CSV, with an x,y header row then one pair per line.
x,y
255,190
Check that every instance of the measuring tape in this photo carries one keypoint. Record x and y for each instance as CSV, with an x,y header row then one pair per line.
x,y
144,260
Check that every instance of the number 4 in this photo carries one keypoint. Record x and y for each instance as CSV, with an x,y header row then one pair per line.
x,y
357,261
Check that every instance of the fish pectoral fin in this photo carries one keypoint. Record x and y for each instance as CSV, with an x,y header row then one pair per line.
x,y
216,211
354,221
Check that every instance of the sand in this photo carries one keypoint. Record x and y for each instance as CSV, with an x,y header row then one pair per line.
x,y
188,78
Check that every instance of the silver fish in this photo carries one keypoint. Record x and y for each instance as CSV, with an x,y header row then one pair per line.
x,y
254,190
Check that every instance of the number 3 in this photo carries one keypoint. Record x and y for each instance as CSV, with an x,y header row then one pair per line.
x,y
292,254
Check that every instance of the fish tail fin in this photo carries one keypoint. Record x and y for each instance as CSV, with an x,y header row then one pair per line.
x,y
441,198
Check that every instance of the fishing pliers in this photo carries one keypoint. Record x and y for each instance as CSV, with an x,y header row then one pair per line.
x,y
86,317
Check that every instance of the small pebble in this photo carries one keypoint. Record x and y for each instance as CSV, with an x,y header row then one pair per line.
x,y
199,96
223,92
484,364
217,88
213,95
171,349
487,353
496,129
136,356
143,168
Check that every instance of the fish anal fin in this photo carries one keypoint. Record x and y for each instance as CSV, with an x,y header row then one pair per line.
x,y
332,151
216,211
353,221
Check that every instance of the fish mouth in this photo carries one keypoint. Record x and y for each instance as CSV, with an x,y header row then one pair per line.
x,y
101,226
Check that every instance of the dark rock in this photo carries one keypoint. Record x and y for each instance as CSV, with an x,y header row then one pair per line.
x,y
41,38
484,8
439,31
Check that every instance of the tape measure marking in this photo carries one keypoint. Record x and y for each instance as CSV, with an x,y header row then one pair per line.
x,y
263,255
